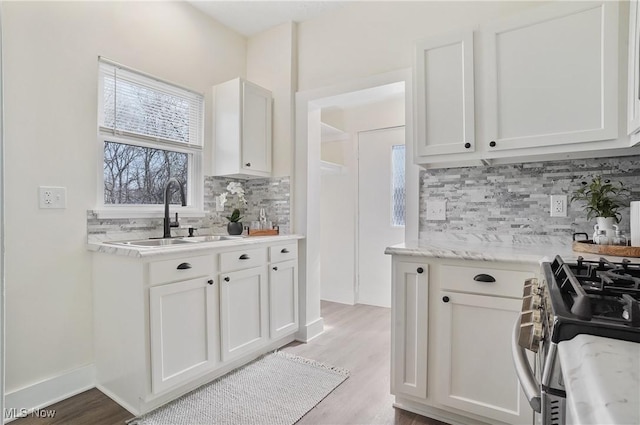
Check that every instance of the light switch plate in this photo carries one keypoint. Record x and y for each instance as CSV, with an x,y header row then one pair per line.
x,y
436,210
51,197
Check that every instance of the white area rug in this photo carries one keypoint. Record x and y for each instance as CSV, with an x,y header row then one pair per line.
x,y
278,388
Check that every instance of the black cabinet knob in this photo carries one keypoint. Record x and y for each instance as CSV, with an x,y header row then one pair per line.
x,y
226,279
467,145
275,268
420,270
445,299
492,144
248,164
210,281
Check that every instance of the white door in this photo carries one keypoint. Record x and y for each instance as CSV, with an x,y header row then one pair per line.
x,y
243,311
256,128
182,318
283,298
380,211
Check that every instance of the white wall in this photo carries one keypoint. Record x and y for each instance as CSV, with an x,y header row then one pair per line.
x,y
271,64
368,38
338,194
50,58
337,223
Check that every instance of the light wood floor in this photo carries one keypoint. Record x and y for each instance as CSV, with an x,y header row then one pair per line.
x,y
356,338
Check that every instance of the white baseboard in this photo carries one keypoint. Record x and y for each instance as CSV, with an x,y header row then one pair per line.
x,y
311,330
49,391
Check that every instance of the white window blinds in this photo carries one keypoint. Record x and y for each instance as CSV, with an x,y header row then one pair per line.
x,y
139,106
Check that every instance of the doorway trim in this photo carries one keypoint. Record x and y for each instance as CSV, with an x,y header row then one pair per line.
x,y
306,185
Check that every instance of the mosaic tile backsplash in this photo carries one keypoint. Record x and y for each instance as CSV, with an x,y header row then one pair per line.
x,y
510,203
272,194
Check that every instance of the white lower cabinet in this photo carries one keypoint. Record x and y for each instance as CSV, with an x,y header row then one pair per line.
x,y
182,315
243,311
165,325
283,298
451,331
409,330
475,371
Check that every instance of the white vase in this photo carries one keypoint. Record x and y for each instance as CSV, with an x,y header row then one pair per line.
x,y
606,224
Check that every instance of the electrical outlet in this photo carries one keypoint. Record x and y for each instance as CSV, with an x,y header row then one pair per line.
x,y
52,197
558,205
436,210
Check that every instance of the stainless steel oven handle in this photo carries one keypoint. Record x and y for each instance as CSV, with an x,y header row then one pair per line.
x,y
528,382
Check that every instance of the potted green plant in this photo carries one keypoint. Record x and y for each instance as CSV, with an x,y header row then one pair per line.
x,y
234,227
603,199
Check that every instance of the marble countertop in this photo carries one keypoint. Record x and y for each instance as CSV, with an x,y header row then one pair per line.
x,y
533,251
602,379
145,252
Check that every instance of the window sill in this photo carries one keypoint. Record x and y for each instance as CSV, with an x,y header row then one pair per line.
x,y
136,212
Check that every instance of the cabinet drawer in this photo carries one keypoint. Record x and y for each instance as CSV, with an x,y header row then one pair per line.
x,y
244,259
508,283
180,269
283,252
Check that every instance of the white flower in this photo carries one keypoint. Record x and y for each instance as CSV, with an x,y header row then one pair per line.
x,y
235,188
222,199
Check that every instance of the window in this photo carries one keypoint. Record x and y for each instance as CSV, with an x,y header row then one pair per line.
x,y
397,185
149,131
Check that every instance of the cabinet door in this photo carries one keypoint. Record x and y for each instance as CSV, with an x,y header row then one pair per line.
x,y
633,117
473,357
552,76
256,128
283,299
243,311
183,331
409,300
444,92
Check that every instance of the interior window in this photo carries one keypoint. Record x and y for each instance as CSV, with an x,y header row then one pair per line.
x,y
150,131
397,185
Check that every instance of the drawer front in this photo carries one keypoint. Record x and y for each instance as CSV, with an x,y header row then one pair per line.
x,y
283,252
481,280
181,269
244,259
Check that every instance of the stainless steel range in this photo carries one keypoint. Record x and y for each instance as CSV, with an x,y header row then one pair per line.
x,y
599,298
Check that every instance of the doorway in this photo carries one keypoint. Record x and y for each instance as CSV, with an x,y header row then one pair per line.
x,y
381,210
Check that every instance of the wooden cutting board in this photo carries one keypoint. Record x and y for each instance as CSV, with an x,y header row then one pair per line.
x,y
616,250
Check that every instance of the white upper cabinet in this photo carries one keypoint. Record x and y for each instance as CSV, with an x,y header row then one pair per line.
x,y
546,84
243,129
552,76
633,105
444,84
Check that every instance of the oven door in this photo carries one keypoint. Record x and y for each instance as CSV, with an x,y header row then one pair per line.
x,y
530,386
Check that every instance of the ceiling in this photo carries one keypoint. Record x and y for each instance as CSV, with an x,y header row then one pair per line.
x,y
252,17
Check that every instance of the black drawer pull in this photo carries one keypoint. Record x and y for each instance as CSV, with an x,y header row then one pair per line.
x,y
420,270
284,251
184,266
275,268
244,257
484,278
445,299
210,281
226,279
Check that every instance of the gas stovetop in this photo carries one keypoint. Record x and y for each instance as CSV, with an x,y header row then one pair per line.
x,y
593,297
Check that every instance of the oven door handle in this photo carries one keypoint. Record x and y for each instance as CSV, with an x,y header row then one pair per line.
x,y
525,375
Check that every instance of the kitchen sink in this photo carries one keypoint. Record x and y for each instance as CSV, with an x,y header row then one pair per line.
x,y
165,242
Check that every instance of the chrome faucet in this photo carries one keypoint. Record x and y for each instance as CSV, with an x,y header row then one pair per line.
x,y
168,224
